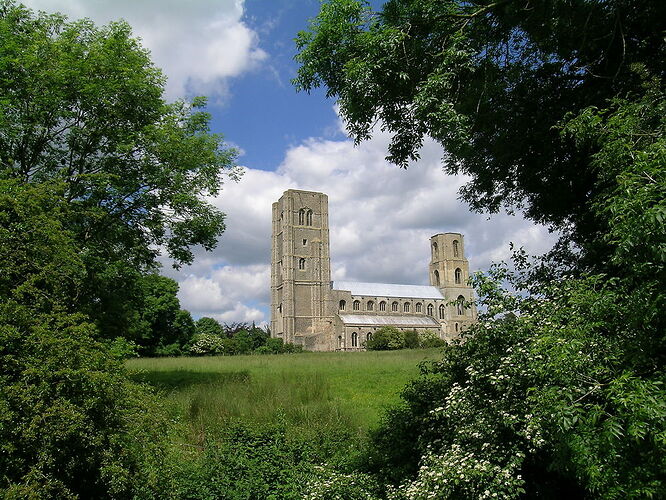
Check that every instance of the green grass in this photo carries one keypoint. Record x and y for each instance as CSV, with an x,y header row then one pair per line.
x,y
309,392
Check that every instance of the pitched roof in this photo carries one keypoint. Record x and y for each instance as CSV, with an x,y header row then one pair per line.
x,y
389,290
388,320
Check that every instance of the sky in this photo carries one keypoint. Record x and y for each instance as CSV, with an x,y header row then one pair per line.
x,y
240,53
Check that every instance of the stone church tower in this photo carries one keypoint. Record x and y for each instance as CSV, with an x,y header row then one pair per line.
x,y
301,270
449,271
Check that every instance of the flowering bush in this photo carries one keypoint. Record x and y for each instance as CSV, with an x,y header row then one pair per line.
x,y
206,344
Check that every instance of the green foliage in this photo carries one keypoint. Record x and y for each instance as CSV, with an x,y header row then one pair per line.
x,y
161,326
429,340
209,326
41,267
326,483
389,338
206,344
556,109
83,109
546,396
411,339
246,462
491,82
70,421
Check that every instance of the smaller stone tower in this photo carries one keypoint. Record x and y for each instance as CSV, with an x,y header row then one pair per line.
x,y
449,271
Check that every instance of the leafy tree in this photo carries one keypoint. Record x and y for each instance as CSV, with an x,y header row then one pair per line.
x,y
491,81
559,390
84,106
209,326
244,342
71,424
163,327
555,108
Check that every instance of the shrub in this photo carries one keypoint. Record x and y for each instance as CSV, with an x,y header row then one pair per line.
x,y
411,339
428,340
205,344
387,338
71,423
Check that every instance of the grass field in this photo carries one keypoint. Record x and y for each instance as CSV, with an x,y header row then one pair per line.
x,y
309,392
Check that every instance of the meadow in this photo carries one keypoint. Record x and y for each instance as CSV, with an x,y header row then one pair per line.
x,y
308,393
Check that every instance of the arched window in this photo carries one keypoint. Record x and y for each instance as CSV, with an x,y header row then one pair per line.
x,y
280,308
305,217
434,250
455,248
394,307
343,304
382,306
458,274
339,341
370,305
357,305
457,327
436,275
354,339
301,263
405,307
430,309
460,305
419,307
368,336
442,311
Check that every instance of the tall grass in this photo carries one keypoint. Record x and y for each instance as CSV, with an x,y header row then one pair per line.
x,y
309,393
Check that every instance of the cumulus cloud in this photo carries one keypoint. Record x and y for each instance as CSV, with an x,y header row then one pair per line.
x,y
381,219
199,45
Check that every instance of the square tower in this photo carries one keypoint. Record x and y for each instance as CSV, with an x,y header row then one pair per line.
x,y
301,270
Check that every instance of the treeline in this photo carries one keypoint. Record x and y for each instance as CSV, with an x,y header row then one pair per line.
x,y
389,338
212,338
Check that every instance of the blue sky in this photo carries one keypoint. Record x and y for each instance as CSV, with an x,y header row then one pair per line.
x,y
239,53
264,107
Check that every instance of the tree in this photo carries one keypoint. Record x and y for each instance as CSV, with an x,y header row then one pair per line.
x,y
71,423
556,108
162,326
492,81
83,106
209,326
558,390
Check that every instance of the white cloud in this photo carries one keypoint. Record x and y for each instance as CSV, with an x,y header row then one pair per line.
x,y
199,45
381,219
